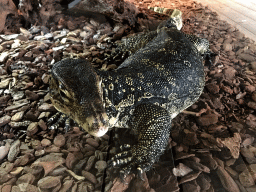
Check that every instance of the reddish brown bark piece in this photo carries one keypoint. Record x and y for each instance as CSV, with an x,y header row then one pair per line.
x,y
6,7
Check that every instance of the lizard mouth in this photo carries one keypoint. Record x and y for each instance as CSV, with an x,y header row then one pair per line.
x,y
100,132
96,126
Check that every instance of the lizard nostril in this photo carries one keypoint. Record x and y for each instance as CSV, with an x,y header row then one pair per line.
x,y
95,124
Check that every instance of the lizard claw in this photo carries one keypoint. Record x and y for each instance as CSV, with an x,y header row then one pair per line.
x,y
120,159
67,125
53,118
140,173
123,174
125,146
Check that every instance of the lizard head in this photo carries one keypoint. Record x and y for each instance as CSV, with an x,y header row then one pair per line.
x,y
75,90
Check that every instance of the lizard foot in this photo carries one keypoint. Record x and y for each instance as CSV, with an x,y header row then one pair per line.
x,y
132,159
59,119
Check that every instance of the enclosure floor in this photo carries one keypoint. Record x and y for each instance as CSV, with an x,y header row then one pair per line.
x,y
239,13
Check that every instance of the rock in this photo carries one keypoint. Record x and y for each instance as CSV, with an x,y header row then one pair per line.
x,y
232,172
16,44
252,104
249,155
88,147
90,163
19,124
71,25
206,120
46,108
12,107
254,96
246,179
248,141
45,78
32,115
47,97
240,95
213,88
71,160
4,120
58,48
251,189
67,185
17,95
85,186
227,181
191,186
119,185
250,88
252,169
42,124
31,95
4,83
4,56
59,140
181,170
49,183
247,57
196,166
99,155
204,182
23,37
4,151
10,37
229,73
239,35
26,178
2,71
14,150
73,40
253,65
232,143
4,100
101,166
190,138
92,142
32,128
90,177
18,116
208,160
84,34
6,188
227,47
189,177
46,142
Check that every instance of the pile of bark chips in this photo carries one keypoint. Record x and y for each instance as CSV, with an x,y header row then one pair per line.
x,y
212,144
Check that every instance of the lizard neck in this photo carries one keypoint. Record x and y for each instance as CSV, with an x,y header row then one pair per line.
x,y
108,91
115,97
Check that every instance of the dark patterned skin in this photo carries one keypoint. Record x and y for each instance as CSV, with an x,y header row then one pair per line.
x,y
162,76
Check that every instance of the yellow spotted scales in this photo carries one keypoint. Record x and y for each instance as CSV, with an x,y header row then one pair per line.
x,y
162,76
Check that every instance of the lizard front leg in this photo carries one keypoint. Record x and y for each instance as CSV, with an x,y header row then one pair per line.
x,y
153,124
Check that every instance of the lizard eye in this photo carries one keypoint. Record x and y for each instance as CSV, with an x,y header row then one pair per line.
x,y
61,86
63,94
